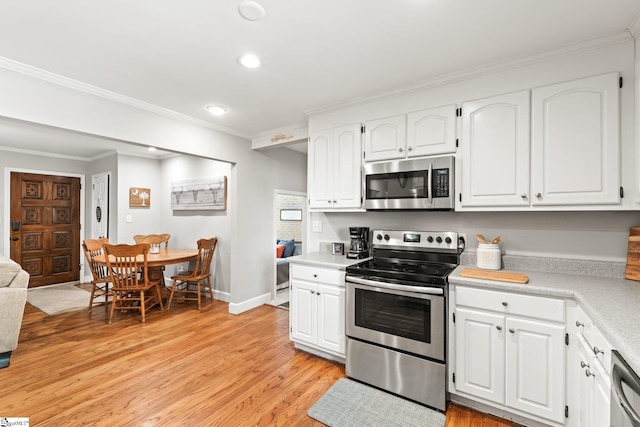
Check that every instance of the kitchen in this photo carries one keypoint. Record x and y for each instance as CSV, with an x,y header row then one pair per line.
x,y
598,232
570,233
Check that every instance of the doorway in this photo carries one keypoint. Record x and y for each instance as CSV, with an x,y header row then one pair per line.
x,y
44,228
290,219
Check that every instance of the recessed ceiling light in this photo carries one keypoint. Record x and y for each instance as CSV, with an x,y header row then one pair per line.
x,y
251,10
216,110
151,148
249,61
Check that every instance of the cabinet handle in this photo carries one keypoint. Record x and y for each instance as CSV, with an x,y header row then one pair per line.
x,y
513,331
538,195
504,303
588,373
584,365
524,196
410,148
596,350
578,323
499,328
400,149
318,293
315,275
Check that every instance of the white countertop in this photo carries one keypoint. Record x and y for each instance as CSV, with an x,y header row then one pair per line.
x,y
611,303
323,259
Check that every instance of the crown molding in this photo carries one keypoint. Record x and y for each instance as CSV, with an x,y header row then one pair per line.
x,y
59,80
45,154
483,70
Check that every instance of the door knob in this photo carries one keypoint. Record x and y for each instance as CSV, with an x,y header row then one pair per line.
x,y
524,196
513,331
400,149
538,195
499,328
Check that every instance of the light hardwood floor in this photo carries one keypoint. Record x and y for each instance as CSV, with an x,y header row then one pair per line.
x,y
181,368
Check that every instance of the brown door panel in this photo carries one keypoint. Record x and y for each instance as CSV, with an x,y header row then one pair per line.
x,y
47,245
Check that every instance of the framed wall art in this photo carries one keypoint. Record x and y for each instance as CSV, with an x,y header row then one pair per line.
x,y
199,194
139,197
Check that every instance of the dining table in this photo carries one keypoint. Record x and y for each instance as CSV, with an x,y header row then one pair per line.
x,y
156,262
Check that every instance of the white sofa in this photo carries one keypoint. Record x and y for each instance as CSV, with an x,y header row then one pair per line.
x,y
13,297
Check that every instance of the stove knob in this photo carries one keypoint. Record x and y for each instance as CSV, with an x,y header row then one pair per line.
x,y
447,240
386,237
430,239
379,237
439,239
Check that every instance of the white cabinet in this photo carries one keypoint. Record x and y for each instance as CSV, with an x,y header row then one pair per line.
x,y
431,131
576,142
317,308
588,374
335,168
554,146
495,151
385,139
420,133
510,351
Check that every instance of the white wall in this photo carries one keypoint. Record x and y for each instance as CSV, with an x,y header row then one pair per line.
x,y
586,235
144,173
186,227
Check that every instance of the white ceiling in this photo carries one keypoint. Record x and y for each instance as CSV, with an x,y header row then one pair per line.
x,y
181,55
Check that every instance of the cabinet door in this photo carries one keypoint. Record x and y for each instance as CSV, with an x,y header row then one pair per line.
x,y
480,354
576,142
385,139
347,163
431,131
495,151
304,312
331,315
320,169
535,368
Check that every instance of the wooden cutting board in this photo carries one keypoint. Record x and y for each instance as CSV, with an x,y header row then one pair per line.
x,y
501,276
632,272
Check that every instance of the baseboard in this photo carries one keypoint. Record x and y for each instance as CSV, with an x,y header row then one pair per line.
x,y
237,308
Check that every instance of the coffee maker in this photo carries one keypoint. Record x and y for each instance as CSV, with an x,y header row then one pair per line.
x,y
359,246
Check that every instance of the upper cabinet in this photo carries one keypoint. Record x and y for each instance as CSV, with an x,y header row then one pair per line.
x,y
421,133
495,151
335,168
576,143
570,156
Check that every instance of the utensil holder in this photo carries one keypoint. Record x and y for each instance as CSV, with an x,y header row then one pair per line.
x,y
488,256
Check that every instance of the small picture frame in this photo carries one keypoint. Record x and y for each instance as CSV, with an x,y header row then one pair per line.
x,y
337,248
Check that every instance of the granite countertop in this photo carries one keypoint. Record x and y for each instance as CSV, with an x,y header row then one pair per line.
x,y
610,302
323,259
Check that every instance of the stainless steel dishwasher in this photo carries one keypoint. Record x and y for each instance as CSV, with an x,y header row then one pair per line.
x,y
625,393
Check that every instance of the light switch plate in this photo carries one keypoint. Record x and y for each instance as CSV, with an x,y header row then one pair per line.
x,y
129,218
316,226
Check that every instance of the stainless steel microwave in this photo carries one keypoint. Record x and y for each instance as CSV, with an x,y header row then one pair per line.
x,y
425,183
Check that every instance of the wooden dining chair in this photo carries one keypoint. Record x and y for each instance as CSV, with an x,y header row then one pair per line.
x,y
201,273
155,239
132,289
99,272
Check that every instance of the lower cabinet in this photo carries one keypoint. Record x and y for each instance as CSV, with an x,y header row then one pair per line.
x,y
589,371
317,308
510,352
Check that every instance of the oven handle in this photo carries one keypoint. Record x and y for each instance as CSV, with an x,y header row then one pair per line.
x,y
393,286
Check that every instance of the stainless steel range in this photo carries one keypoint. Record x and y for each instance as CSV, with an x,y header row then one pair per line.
x,y
396,314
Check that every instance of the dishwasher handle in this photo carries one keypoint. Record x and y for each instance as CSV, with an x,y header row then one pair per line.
x,y
616,383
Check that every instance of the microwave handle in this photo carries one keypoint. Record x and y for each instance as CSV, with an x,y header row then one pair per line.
x,y
430,184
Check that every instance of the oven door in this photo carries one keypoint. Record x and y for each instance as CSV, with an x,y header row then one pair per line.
x,y
402,317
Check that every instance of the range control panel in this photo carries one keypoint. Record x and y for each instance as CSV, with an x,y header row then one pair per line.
x,y
425,240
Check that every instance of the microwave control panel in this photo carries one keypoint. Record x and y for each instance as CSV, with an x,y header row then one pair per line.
x,y
441,182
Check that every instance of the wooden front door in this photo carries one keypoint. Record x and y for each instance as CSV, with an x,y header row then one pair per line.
x,y
45,227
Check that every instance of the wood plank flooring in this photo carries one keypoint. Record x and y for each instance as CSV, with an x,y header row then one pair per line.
x,y
183,367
